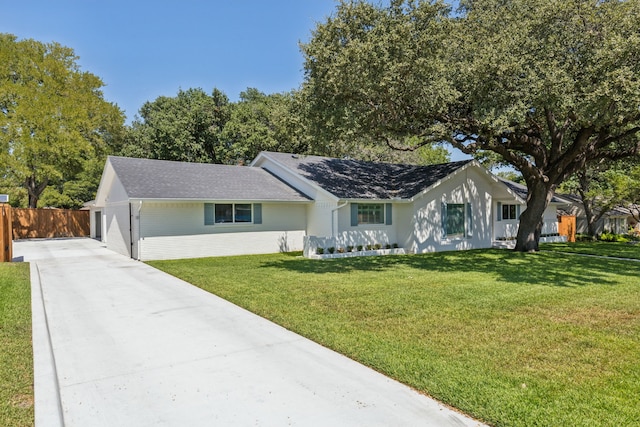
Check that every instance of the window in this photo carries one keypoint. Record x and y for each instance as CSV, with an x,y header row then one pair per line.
x,y
507,212
224,213
370,213
455,220
232,213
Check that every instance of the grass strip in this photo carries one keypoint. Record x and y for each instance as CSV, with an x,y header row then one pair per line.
x,y
629,250
16,353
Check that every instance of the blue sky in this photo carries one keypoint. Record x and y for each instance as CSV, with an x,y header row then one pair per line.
x,y
144,49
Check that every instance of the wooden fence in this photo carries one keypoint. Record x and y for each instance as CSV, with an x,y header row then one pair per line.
x,y
567,227
49,223
6,241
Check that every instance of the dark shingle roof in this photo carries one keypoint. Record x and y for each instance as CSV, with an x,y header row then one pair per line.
x,y
355,179
521,190
162,179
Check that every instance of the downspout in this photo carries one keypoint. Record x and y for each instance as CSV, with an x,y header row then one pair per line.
x,y
131,235
130,232
334,211
139,229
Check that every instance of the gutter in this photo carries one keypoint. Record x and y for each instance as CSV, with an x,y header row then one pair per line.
x,y
333,211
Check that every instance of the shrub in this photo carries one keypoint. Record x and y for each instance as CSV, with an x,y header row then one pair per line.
x,y
387,246
611,237
340,250
395,246
349,248
319,251
332,250
369,247
359,247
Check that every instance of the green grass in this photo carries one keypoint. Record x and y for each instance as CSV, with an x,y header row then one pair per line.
x,y
513,339
609,249
16,353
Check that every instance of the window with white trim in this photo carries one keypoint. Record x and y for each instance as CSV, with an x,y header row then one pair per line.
x,y
370,213
455,220
232,213
509,212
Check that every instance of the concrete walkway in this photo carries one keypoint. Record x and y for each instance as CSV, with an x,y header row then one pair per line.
x,y
118,343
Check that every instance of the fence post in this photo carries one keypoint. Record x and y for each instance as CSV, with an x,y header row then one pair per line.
x,y
6,233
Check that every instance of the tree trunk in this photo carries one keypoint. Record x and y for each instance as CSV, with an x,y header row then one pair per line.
x,y
531,220
35,190
587,204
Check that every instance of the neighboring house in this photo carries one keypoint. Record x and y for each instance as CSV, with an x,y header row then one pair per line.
x,y
616,220
152,209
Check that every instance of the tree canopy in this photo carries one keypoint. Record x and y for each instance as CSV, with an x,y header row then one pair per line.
x,y
548,85
186,127
53,117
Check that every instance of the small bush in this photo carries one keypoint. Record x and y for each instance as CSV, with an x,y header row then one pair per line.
x,y
377,246
349,248
369,247
395,246
387,246
332,250
319,251
340,250
611,237
359,247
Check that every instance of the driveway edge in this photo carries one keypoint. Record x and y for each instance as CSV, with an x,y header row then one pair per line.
x,y
46,389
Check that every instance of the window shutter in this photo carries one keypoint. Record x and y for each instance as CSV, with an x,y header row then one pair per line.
x,y
518,212
354,214
443,217
388,213
499,211
257,213
208,214
469,218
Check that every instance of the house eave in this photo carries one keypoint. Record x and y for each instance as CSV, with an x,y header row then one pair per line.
x,y
293,172
373,200
207,200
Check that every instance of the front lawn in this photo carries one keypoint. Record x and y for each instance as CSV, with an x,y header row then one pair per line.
x,y
16,354
609,249
513,339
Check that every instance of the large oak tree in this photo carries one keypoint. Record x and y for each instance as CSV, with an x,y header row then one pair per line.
x,y
548,85
53,117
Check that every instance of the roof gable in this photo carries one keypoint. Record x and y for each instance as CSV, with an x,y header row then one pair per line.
x,y
356,179
163,179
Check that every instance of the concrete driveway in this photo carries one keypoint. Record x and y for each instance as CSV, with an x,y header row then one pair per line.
x,y
118,343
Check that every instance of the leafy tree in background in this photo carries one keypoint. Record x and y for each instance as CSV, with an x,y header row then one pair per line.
x,y
186,128
605,185
260,122
548,85
53,117
73,193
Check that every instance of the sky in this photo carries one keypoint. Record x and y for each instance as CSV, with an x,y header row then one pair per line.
x,y
145,49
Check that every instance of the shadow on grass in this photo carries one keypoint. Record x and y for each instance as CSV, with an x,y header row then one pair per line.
x,y
549,269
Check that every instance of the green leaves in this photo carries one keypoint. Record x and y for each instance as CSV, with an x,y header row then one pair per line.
x,y
183,128
52,115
